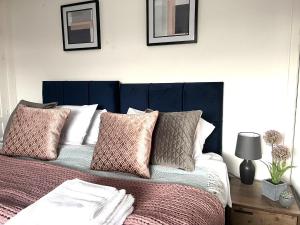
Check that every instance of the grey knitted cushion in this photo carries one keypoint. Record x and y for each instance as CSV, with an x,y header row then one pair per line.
x,y
173,139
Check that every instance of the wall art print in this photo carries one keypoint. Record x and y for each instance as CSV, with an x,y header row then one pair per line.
x,y
81,26
171,21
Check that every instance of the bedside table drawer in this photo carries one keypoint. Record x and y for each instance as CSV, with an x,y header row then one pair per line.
x,y
245,216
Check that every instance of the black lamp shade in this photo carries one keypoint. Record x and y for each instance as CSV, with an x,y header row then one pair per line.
x,y
248,146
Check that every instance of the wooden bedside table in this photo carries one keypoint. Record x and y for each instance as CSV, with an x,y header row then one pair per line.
x,y
250,207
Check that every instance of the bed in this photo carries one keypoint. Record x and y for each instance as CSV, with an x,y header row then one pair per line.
x,y
206,188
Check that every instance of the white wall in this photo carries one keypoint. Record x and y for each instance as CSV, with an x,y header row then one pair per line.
x,y
2,64
295,80
4,81
244,43
296,157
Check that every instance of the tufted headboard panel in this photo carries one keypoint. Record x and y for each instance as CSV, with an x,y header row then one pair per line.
x,y
176,97
165,97
104,93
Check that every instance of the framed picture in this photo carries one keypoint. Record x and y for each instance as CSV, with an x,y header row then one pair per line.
x,y
171,21
81,26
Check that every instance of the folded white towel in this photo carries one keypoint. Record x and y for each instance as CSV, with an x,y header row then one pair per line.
x,y
78,202
123,210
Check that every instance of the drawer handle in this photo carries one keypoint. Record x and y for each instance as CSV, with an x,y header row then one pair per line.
x,y
244,212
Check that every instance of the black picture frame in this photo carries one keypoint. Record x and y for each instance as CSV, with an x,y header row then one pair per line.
x,y
84,33
192,35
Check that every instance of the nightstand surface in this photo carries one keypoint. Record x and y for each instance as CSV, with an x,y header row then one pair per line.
x,y
250,196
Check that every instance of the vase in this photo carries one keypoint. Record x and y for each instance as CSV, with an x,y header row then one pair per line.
x,y
273,191
286,202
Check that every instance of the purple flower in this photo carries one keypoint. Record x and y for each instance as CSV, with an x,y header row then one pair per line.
x,y
280,153
272,137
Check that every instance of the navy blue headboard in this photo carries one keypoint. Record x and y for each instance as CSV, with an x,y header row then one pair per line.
x,y
165,97
176,97
104,93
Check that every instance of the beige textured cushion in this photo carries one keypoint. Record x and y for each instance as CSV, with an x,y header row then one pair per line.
x,y
35,132
29,104
173,139
124,143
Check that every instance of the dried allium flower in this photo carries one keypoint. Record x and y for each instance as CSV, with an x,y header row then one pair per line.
x,y
280,153
272,137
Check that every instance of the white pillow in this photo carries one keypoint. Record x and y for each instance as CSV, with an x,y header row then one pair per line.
x,y
203,130
77,124
93,131
134,111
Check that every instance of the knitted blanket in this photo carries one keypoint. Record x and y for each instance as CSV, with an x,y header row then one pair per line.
x,y
22,182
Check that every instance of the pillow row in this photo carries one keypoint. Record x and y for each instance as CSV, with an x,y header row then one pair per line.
x,y
35,130
82,125
123,142
203,130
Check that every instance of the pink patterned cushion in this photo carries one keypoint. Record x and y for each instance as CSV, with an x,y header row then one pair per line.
x,y
124,143
35,132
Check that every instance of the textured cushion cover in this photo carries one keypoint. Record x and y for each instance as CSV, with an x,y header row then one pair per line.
x,y
93,131
124,143
35,132
203,130
173,139
77,124
29,104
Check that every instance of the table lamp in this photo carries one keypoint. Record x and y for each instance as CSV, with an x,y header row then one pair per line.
x,y
248,147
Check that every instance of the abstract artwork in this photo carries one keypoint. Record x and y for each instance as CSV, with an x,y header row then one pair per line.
x,y
171,21
81,26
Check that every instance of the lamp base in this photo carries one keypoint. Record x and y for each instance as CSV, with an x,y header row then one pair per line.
x,y
247,172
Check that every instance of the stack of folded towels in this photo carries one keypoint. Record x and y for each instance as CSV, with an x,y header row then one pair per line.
x,y
78,202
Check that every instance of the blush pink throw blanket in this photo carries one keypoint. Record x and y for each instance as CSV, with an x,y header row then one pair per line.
x,y
22,182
